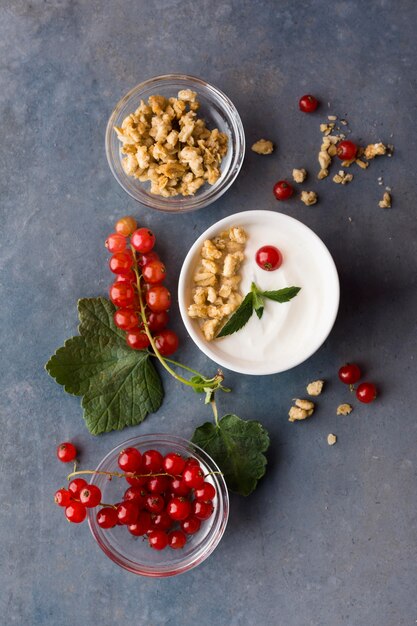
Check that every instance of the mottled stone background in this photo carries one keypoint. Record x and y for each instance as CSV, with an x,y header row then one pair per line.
x,y
329,538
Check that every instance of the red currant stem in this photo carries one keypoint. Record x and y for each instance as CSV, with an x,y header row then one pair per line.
x,y
103,504
215,412
117,474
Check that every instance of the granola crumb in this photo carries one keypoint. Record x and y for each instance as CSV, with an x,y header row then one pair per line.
x,y
385,203
263,146
342,178
309,197
326,129
315,388
375,149
344,122
332,118
331,439
300,175
344,409
296,414
361,163
304,404
322,174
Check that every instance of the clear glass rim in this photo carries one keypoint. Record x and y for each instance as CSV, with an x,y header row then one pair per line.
x,y
210,541
188,203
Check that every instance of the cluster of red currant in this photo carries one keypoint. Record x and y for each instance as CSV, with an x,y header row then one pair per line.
x,y
351,374
164,492
138,292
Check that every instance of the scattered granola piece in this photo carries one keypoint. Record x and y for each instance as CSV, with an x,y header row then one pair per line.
x,y
324,159
308,197
326,129
299,175
374,149
296,414
361,163
263,146
322,174
342,178
348,163
344,122
315,388
385,203
331,439
307,405
332,118
332,150
344,409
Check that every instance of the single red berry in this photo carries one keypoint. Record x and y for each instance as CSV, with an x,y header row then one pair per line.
x,y
122,294
154,272
126,225
179,488
90,496
191,461
130,277
127,512
179,509
283,190
162,521
115,243
75,487
152,462
167,342
155,503
138,494
158,298
268,258
121,263
193,477
126,319
158,484
366,392
158,539
143,240
202,510
157,321
176,539
66,452
191,525
62,497
137,339
107,517
144,259
308,104
75,512
136,481
346,150
206,493
130,460
142,525
350,373
173,463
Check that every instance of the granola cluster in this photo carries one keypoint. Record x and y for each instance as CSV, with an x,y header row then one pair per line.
x,y
167,144
216,292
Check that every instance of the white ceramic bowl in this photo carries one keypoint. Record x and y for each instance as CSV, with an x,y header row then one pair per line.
x,y
288,333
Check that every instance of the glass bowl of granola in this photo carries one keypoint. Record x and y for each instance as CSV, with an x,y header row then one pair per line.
x,y
175,143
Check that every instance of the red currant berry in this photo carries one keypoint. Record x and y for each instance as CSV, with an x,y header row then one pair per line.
x,y
158,539
66,452
75,512
121,263
130,277
154,272
155,503
178,488
152,461
179,509
206,493
350,373
167,342
366,392
144,259
283,190
269,258
202,510
158,484
142,526
127,512
308,104
62,497
191,461
143,240
158,298
138,494
176,539
130,460
162,521
137,339
115,243
136,481
107,517
346,150
173,463
90,496
126,225
191,525
193,477
157,321
126,319
75,487
122,294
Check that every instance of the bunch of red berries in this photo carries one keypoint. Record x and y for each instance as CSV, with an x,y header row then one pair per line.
x,y
138,292
167,498
351,374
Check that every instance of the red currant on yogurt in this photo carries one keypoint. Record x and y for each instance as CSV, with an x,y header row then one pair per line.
x,y
283,190
269,258
308,104
366,392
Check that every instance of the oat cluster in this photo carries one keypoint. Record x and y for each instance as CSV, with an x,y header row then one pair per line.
x,y
167,144
216,292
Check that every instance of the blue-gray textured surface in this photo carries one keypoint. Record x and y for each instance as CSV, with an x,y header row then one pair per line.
x,y
329,537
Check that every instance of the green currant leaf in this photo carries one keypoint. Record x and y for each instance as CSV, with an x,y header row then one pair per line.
x,y
239,318
120,386
281,295
237,446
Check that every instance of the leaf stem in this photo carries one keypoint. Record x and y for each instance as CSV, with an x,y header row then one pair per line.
x,y
215,411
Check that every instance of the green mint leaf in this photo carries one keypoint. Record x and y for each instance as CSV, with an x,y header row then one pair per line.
x,y
238,448
239,318
282,295
259,312
120,386
258,303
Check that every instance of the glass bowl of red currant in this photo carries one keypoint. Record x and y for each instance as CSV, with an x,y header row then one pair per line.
x,y
164,505
216,109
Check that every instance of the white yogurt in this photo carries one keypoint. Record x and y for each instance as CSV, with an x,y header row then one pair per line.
x,y
288,333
